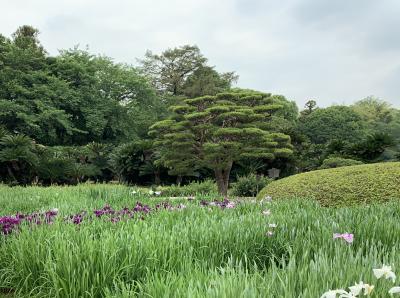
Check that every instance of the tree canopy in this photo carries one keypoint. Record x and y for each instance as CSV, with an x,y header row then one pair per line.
x,y
184,71
216,131
336,122
52,99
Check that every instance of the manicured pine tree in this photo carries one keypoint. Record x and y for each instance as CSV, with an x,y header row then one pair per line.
x,y
216,131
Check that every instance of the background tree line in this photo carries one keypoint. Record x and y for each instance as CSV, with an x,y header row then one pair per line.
x,y
77,116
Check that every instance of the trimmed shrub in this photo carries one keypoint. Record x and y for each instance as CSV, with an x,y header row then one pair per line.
x,y
195,188
337,162
341,186
249,186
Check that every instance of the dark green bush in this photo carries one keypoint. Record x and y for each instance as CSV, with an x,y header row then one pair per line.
x,y
55,170
337,162
249,186
194,188
341,186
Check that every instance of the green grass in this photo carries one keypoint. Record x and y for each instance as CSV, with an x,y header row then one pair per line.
x,y
195,252
343,186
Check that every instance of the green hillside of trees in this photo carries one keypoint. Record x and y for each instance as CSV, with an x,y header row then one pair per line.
x,y
172,118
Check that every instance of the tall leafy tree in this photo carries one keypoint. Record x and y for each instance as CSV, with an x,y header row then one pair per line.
x,y
120,94
383,124
73,98
216,131
171,68
27,90
309,107
27,37
183,71
379,116
374,110
207,81
332,123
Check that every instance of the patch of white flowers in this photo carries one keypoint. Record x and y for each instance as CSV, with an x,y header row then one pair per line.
x,y
333,293
152,193
360,288
266,200
386,272
394,290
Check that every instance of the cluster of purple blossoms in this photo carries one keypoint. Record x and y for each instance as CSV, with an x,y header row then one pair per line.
x,y
168,206
11,223
76,218
8,223
108,213
222,204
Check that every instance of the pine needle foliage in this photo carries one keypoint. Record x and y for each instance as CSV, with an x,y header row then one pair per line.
x,y
216,131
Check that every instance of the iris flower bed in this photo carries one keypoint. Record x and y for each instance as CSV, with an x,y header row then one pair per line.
x,y
105,242
11,223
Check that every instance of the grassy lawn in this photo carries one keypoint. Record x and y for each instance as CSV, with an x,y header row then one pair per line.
x,y
190,249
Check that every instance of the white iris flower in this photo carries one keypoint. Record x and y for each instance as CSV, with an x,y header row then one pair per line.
x,y
333,293
386,272
394,290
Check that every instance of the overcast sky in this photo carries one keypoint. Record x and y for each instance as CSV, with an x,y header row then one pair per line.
x,y
333,51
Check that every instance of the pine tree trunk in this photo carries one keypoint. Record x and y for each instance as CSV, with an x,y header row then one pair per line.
x,y
178,180
222,178
222,187
157,179
10,173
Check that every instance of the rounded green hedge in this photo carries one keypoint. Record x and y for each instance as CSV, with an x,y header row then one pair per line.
x,y
370,183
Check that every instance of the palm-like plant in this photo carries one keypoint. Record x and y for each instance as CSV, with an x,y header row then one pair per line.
x,y
149,167
3,132
18,153
79,171
99,155
55,170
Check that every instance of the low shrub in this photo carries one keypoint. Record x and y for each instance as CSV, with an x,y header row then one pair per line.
x,y
194,188
249,186
341,186
337,162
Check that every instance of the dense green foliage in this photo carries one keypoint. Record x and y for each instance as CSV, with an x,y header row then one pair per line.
x,y
336,122
75,116
341,186
54,107
368,131
74,98
215,131
249,186
131,161
184,72
336,162
194,252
